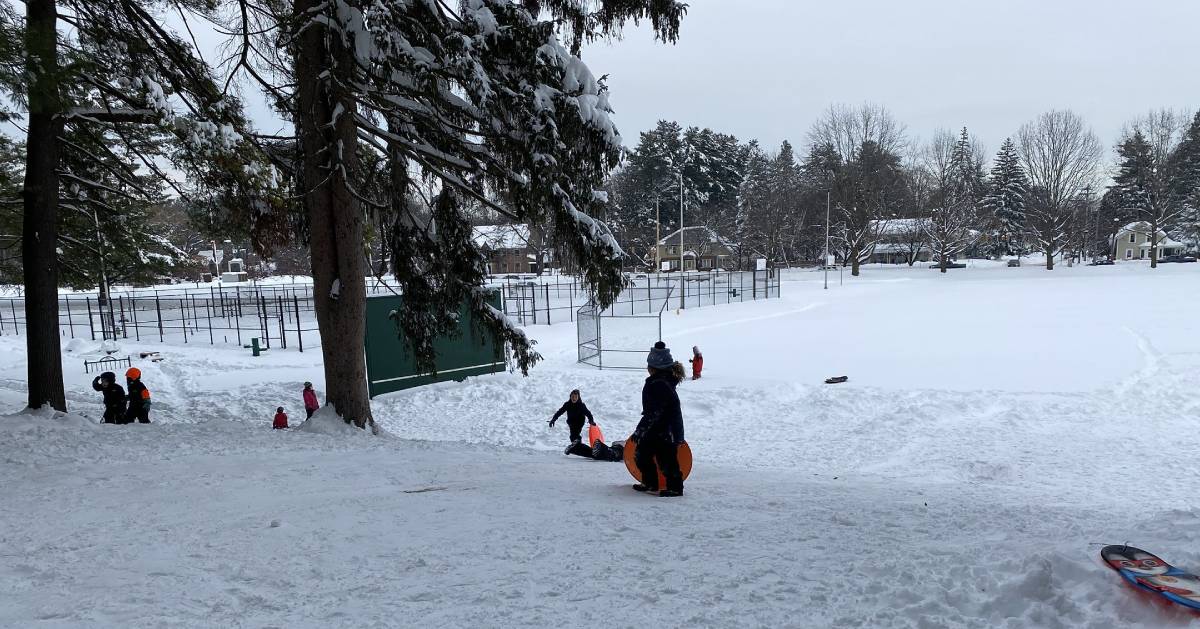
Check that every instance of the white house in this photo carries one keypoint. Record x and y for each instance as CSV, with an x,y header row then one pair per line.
x,y
1133,243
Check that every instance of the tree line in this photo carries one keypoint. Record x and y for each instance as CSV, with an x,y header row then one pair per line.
x,y
1047,190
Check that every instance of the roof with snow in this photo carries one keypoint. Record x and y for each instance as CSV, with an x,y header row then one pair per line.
x,y
501,236
208,255
1142,227
893,226
694,234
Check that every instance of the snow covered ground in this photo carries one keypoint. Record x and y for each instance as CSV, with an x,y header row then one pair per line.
x,y
998,426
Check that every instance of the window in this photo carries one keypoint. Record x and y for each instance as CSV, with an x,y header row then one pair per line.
x,y
1129,254
1132,238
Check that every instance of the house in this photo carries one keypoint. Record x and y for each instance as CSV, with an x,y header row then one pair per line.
x,y
1133,243
509,248
703,250
901,239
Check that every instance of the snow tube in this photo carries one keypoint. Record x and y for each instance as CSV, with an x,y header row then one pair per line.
x,y
685,462
594,434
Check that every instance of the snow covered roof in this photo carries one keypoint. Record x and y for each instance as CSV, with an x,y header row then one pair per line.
x,y
501,236
208,255
692,234
1143,228
893,226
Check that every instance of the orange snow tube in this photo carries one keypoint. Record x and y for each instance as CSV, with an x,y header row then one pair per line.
x,y
594,435
685,462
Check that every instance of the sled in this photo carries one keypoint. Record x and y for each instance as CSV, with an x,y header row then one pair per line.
x,y
837,379
685,462
594,435
1153,576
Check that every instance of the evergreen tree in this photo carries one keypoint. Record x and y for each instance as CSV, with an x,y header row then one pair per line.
x,y
1185,184
770,214
94,68
1005,200
490,100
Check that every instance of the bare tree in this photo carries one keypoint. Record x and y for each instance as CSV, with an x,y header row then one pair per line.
x,y
955,165
846,128
1060,154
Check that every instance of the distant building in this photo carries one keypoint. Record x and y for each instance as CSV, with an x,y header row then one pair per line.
x,y
1133,243
900,239
509,248
703,250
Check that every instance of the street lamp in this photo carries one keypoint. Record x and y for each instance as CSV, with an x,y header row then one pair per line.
x,y
825,260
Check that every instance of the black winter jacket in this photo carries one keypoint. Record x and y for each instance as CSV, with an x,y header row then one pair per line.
x,y
114,396
661,415
575,411
137,397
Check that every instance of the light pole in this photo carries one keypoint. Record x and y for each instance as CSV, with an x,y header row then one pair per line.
x,y
681,269
825,258
657,237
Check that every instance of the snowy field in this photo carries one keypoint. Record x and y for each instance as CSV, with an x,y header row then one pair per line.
x,y
999,425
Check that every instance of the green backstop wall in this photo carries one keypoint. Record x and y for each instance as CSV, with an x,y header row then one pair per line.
x,y
390,366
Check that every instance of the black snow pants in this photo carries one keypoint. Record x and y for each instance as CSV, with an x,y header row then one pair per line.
x,y
576,431
140,413
667,455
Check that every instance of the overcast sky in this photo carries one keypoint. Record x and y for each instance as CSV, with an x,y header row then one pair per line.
x,y
767,68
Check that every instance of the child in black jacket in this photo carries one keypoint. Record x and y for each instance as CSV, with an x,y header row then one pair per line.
x,y
576,410
114,397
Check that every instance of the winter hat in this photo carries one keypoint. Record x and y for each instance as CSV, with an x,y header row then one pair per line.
x,y
108,376
133,373
279,410
307,385
660,357
696,350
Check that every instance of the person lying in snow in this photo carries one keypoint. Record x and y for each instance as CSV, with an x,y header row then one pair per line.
x,y
599,450
576,410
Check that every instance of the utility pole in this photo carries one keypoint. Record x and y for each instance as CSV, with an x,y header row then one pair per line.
x,y
825,258
681,269
657,237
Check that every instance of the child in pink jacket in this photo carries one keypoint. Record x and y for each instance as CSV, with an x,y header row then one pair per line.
x,y
310,400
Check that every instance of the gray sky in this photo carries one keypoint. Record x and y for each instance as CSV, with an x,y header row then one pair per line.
x,y
767,68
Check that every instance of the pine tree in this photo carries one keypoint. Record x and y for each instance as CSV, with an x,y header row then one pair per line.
x,y
105,68
490,100
1005,200
1185,183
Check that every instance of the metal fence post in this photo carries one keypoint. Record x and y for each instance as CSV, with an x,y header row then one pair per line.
x,y
91,324
299,330
137,334
158,309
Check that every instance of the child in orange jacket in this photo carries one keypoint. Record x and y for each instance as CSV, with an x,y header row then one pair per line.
x,y
280,419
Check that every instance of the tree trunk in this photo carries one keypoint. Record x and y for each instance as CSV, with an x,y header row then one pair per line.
x,y
39,227
335,218
854,260
1050,257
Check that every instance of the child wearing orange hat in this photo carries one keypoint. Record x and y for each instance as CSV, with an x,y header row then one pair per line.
x,y
139,397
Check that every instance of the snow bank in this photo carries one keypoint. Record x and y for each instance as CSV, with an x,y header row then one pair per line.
x,y
45,420
326,421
